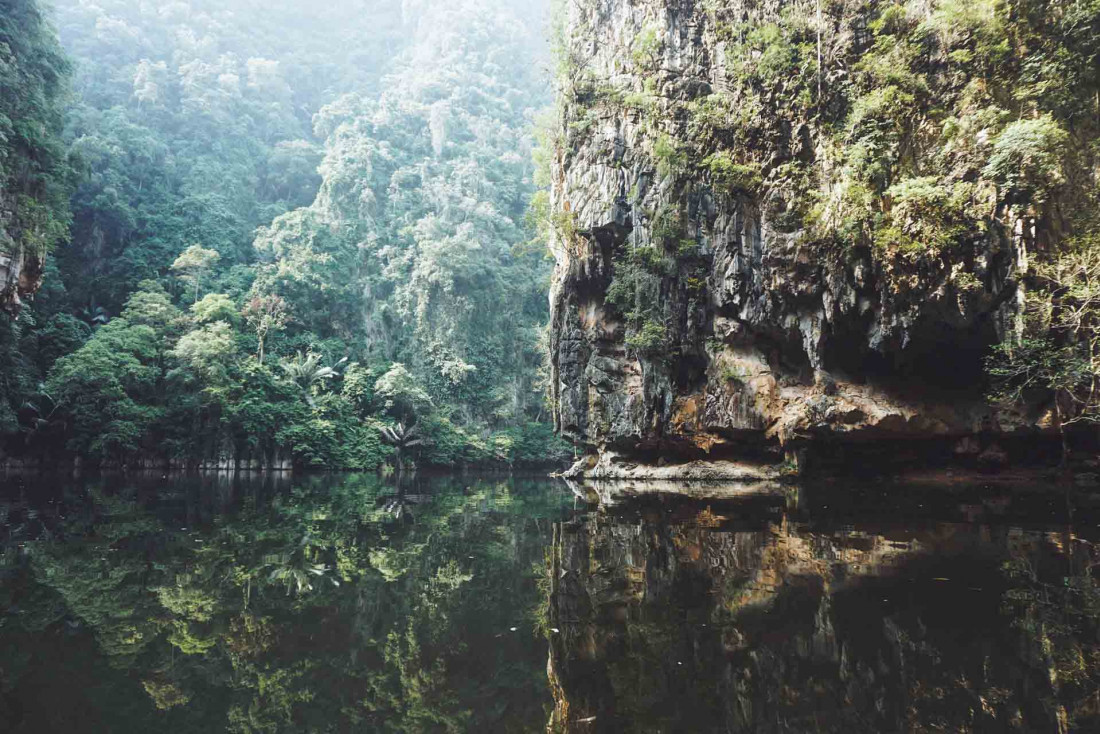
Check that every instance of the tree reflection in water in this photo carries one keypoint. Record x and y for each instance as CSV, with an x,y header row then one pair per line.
x,y
320,605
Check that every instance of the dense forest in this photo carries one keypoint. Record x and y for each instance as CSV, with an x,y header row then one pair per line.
x,y
260,248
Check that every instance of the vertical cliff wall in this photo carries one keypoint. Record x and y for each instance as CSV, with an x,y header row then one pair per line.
x,y
20,278
34,169
781,224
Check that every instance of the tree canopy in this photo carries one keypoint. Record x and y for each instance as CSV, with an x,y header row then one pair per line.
x,y
265,224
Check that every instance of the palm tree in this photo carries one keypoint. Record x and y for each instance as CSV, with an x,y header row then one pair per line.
x,y
40,414
402,438
306,370
94,317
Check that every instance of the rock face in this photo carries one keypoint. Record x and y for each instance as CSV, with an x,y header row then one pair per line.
x,y
695,320
20,277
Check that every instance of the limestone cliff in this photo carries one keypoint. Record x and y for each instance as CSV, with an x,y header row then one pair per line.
x,y
35,172
753,258
20,277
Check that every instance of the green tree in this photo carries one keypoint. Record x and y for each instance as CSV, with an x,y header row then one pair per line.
x,y
107,389
1058,356
307,371
215,307
403,394
193,264
207,351
265,314
35,182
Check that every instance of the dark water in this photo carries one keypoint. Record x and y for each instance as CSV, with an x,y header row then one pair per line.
x,y
342,604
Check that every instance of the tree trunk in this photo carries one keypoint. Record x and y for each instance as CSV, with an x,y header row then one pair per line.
x,y
1060,424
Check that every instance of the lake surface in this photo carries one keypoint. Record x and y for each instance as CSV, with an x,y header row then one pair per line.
x,y
466,603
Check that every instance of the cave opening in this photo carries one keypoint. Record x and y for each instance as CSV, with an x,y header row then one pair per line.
x,y
939,360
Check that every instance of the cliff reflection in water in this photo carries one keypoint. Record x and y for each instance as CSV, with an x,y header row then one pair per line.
x,y
773,615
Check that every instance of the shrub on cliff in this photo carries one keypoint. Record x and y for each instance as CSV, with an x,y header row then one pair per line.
x,y
1057,360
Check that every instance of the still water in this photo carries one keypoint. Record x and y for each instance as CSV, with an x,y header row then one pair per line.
x,y
465,603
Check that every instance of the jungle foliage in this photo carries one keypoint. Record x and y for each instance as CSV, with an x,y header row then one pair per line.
x,y
267,226
34,171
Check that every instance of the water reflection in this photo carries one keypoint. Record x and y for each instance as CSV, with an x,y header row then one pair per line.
x,y
338,604
257,605
817,613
